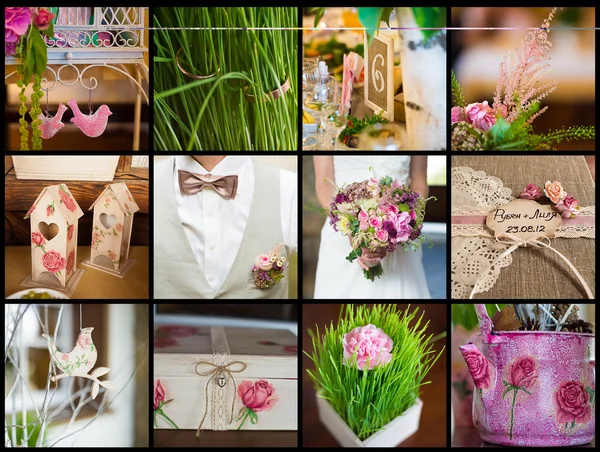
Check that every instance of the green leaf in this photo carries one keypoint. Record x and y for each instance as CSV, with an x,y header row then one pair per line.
x,y
506,383
320,11
370,18
39,51
525,390
458,98
49,31
433,17
508,389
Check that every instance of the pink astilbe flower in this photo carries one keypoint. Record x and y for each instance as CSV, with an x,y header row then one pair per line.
x,y
518,85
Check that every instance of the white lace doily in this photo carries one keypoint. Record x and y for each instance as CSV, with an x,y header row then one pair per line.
x,y
473,246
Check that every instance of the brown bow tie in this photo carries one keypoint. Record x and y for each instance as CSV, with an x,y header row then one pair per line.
x,y
192,183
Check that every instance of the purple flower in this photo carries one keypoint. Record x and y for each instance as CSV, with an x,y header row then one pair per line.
x,y
10,48
416,233
340,197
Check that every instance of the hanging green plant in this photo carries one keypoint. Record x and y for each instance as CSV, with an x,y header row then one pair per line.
x,y
23,39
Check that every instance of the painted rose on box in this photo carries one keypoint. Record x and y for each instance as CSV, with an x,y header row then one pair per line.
x,y
160,402
256,397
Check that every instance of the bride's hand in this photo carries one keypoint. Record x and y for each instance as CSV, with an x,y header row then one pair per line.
x,y
371,258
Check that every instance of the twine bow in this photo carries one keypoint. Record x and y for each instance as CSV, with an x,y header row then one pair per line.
x,y
516,242
224,374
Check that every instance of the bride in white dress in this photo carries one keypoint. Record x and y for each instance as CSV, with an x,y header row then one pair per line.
x,y
404,276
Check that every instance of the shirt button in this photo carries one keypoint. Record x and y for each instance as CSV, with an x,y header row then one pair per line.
x,y
212,246
211,279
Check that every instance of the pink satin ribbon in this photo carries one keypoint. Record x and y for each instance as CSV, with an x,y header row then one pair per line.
x,y
480,219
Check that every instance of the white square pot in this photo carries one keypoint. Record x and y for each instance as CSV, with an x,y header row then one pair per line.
x,y
65,168
390,435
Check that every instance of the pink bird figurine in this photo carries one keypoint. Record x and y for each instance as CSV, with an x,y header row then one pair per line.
x,y
91,125
52,124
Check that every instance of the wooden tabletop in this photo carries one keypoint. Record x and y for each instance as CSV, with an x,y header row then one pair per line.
x,y
94,283
432,428
230,438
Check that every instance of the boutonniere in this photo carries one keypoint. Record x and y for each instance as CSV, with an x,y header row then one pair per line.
x,y
268,269
567,206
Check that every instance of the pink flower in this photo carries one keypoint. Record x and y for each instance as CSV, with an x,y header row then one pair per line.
x,y
375,222
532,191
95,237
554,191
290,349
43,18
392,209
479,367
573,403
363,216
50,210
367,343
568,207
70,230
119,227
263,262
112,256
108,199
37,238
164,342
522,373
65,357
501,111
480,115
177,330
159,394
402,226
363,226
257,396
53,262
382,235
67,200
413,215
10,48
16,21
70,262
457,114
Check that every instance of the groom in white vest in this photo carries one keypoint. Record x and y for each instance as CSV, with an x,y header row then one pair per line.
x,y
213,215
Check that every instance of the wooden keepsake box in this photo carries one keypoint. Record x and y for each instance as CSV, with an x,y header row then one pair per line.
x,y
225,378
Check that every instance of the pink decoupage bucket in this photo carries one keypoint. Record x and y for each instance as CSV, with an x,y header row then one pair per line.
x,y
532,388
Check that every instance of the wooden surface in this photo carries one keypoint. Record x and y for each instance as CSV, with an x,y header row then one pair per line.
x,y
432,428
94,283
232,438
469,437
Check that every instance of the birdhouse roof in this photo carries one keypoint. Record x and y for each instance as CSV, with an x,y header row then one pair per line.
x,y
64,202
122,195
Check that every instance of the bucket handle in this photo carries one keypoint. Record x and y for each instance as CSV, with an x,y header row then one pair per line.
x,y
485,323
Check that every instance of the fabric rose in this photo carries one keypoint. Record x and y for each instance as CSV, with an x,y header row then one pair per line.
x,y
258,396
37,238
43,19
573,403
532,191
457,114
263,262
554,191
70,262
16,23
479,367
177,330
159,394
522,373
70,230
375,222
568,207
382,235
367,343
480,115
67,200
53,262
363,216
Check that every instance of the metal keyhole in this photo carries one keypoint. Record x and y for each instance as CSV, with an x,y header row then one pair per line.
x,y
221,380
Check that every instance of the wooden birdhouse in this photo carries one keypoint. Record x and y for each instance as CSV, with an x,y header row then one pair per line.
x,y
111,229
54,218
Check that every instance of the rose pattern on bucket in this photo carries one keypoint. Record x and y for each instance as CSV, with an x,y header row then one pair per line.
x,y
521,377
256,397
160,402
478,366
367,346
574,404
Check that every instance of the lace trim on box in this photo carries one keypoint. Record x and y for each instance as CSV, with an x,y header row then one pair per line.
x,y
220,412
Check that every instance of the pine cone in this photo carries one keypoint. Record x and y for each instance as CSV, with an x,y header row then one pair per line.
x,y
578,326
558,310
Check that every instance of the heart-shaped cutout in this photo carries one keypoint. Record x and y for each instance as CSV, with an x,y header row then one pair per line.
x,y
108,221
49,231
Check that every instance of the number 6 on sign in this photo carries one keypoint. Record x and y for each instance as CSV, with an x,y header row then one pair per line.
x,y
379,75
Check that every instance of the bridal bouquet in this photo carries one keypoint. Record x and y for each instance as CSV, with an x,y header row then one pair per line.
x,y
378,214
507,123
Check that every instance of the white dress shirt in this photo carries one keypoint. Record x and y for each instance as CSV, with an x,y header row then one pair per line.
x,y
215,226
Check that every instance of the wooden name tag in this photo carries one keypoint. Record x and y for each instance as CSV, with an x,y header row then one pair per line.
x,y
525,219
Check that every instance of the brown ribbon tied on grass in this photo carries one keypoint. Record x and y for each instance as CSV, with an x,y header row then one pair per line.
x,y
192,183
223,375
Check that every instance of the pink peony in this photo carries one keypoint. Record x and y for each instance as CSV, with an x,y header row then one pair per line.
x,y
375,222
16,23
259,396
532,191
382,235
554,191
367,343
568,207
402,226
480,115
522,373
457,114
573,403
43,18
363,216
263,262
